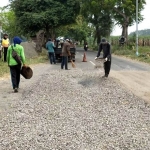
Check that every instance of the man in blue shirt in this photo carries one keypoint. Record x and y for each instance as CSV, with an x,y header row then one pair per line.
x,y
50,47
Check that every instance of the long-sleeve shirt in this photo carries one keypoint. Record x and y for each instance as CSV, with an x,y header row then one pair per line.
x,y
106,50
50,46
20,51
66,49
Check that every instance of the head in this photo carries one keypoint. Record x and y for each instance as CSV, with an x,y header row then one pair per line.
x,y
67,40
5,36
49,39
16,40
103,40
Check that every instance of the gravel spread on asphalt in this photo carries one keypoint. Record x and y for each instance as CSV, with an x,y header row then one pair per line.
x,y
76,110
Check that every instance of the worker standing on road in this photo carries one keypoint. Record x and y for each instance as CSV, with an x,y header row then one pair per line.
x,y
13,65
85,46
50,47
5,44
65,54
105,46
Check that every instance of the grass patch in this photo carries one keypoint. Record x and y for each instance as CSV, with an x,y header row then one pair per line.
x,y
144,52
41,58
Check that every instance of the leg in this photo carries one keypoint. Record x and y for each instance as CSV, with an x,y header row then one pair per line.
x,y
5,53
18,68
50,57
63,62
107,66
13,76
54,58
66,62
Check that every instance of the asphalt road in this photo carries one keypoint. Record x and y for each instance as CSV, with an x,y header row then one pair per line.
x,y
118,64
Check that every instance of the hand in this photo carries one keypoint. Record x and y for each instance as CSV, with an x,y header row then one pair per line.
x,y
95,58
24,65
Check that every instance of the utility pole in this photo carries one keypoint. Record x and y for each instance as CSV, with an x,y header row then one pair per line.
x,y
137,53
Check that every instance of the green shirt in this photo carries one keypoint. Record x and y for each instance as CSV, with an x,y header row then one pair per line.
x,y
20,51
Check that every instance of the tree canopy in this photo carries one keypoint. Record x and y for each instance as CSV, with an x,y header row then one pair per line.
x,y
55,16
33,15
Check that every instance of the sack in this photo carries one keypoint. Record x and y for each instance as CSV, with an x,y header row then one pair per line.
x,y
16,56
26,72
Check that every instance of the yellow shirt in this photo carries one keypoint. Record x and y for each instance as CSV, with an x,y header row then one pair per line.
x,y
5,42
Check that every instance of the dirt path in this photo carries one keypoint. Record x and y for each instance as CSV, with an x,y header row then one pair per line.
x,y
136,81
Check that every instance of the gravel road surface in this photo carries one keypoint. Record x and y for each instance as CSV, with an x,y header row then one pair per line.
x,y
72,110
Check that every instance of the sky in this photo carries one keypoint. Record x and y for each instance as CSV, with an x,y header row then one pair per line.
x,y
145,24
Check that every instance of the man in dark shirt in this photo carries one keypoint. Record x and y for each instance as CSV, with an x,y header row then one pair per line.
x,y
105,46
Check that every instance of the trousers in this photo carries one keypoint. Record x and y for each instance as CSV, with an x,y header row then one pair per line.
x,y
64,62
107,66
52,57
15,75
5,53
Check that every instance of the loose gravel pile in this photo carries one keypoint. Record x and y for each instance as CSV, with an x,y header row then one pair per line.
x,y
76,110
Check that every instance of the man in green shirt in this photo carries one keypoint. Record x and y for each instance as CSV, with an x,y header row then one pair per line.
x,y
14,66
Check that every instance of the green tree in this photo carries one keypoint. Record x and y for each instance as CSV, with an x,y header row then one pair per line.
x,y
103,11
124,12
35,15
8,22
98,14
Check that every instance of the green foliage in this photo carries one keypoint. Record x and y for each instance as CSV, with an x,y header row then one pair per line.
x,y
3,68
33,15
98,14
144,53
8,22
78,31
124,12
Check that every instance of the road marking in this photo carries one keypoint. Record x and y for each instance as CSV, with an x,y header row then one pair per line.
x,y
92,63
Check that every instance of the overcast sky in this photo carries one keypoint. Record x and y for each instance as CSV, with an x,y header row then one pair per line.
x,y
145,24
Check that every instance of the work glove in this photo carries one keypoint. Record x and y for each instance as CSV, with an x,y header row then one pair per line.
x,y
105,59
95,58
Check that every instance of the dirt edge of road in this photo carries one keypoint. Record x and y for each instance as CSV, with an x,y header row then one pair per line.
x,y
133,81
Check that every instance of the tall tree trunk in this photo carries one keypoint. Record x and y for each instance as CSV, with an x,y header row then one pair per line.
x,y
94,40
125,30
39,41
98,35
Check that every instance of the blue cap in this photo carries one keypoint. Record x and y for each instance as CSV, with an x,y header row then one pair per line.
x,y
16,40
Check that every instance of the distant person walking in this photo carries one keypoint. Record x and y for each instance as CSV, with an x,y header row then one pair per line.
x,y
14,66
50,47
65,54
105,47
5,44
85,46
